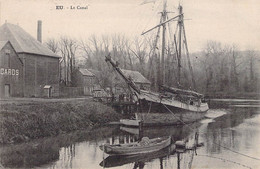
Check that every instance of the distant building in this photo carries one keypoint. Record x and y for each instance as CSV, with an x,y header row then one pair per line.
x,y
120,85
86,79
40,65
11,71
138,79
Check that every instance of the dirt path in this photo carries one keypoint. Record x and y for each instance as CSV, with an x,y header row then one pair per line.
x,y
35,100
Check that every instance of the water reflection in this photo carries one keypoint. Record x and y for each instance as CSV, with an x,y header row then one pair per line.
x,y
221,131
238,129
42,151
176,132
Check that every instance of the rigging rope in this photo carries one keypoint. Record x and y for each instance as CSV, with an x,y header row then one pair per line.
x,y
225,160
153,15
138,24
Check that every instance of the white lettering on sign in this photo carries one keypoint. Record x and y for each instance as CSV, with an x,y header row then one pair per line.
x,y
10,72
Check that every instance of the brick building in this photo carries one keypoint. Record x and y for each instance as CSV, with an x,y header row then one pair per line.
x,y
40,65
11,71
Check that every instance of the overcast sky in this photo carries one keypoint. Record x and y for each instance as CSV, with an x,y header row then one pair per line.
x,y
227,21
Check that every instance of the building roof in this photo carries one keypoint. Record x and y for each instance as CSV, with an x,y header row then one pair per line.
x,y
136,76
86,72
2,44
95,72
22,41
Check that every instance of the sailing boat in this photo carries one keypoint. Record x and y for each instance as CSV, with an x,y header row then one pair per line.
x,y
168,106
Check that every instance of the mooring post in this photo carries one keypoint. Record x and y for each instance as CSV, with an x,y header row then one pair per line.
x,y
140,130
178,160
196,142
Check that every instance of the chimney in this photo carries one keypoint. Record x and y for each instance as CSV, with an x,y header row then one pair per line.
x,y
39,31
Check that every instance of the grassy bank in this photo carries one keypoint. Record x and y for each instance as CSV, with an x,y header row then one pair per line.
x,y
21,122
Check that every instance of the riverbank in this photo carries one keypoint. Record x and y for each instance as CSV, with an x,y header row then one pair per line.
x,y
232,95
22,121
46,150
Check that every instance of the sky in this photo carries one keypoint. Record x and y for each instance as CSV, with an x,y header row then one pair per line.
x,y
227,21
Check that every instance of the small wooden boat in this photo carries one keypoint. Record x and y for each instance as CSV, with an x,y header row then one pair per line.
x,y
128,122
146,145
119,160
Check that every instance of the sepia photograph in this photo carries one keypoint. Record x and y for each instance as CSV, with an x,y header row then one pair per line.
x,y
140,84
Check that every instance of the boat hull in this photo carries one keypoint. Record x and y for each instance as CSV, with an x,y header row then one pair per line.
x,y
163,119
156,114
136,148
157,111
156,103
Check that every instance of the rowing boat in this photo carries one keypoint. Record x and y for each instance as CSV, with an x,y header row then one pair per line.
x,y
119,160
146,145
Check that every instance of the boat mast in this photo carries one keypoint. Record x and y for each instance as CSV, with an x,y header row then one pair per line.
x,y
163,22
164,15
180,22
188,57
181,28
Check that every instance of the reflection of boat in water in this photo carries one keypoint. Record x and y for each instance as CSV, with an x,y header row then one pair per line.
x,y
163,119
117,160
146,145
176,132
129,122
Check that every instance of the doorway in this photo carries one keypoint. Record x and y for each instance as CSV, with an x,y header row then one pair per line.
x,y
7,90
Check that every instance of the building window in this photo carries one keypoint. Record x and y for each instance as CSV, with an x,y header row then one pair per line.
x,y
8,62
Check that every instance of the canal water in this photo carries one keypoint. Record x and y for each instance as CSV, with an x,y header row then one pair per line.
x,y
231,138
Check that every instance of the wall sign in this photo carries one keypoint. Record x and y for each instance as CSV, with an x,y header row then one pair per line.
x,y
10,72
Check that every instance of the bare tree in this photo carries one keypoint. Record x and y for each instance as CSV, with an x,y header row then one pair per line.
x,y
139,50
252,83
53,45
68,48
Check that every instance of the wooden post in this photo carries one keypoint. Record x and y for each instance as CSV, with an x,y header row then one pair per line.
x,y
178,160
161,163
113,139
196,142
140,130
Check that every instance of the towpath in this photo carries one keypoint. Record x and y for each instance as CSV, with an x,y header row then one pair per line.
x,y
34,100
